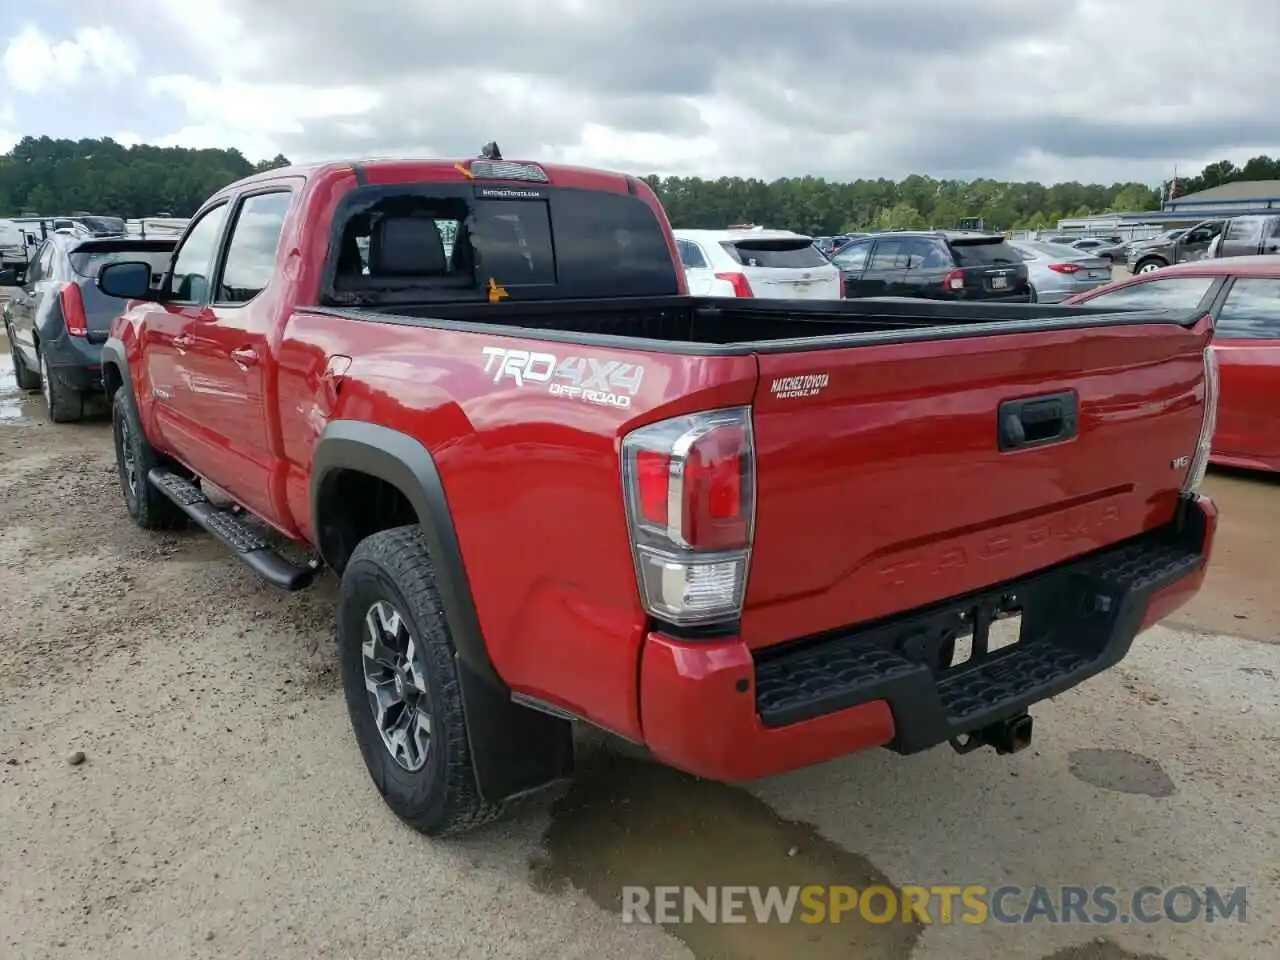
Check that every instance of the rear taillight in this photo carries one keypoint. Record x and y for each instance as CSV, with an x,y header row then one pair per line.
x,y
953,280
741,288
689,484
840,283
1065,267
73,315
1208,423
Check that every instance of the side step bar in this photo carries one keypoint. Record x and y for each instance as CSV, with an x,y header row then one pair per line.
x,y
236,535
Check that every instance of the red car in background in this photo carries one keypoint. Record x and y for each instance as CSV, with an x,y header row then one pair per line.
x,y
1243,295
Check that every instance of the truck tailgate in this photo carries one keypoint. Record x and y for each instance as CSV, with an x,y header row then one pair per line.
x,y
882,485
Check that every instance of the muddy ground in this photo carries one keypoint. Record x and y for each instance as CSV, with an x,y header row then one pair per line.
x,y
222,810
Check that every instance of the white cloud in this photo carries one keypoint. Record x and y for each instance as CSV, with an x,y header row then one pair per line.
x,y
33,62
254,117
1084,89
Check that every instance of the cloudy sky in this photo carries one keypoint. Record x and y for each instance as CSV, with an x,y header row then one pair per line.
x,y
1094,90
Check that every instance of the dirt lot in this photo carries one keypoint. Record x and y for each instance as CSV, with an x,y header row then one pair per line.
x,y
221,808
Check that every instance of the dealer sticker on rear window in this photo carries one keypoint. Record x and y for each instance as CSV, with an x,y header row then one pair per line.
x,y
608,383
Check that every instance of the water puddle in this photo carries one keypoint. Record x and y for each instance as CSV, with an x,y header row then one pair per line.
x,y
15,404
628,822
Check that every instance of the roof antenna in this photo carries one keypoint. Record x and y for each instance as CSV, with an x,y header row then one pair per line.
x,y
490,151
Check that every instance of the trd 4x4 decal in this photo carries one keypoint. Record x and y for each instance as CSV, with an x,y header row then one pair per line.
x,y
610,383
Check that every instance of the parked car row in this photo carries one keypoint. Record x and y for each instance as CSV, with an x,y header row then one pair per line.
x,y
927,264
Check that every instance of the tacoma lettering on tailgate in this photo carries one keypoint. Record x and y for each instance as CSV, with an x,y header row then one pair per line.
x,y
943,559
609,383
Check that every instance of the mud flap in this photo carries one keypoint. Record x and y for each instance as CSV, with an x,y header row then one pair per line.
x,y
515,750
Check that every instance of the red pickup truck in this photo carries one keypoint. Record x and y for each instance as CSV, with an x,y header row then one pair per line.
x,y
748,535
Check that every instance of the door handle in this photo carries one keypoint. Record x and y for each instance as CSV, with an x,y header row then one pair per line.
x,y
245,357
1037,420
182,341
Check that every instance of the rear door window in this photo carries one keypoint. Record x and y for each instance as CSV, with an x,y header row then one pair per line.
x,y
1250,312
784,253
984,253
1242,228
890,255
690,255
927,254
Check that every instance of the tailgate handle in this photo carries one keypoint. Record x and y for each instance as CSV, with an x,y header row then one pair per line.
x,y
1036,421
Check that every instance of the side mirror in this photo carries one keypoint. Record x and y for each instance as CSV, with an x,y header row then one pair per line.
x,y
8,277
130,280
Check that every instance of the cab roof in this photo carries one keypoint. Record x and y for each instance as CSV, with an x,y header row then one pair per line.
x,y
392,169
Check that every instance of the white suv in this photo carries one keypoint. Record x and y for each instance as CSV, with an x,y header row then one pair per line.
x,y
754,262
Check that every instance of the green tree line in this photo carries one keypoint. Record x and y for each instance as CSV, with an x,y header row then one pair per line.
x,y
49,177
44,176
823,207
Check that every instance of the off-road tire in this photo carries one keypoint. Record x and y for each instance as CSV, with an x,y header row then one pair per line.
x,y
27,379
149,508
63,404
1148,265
442,798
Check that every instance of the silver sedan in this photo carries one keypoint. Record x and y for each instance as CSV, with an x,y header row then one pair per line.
x,y
1057,271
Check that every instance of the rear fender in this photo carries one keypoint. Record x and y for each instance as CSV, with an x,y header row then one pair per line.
x,y
514,749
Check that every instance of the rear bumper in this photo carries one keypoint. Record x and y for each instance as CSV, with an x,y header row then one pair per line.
x,y
715,710
75,361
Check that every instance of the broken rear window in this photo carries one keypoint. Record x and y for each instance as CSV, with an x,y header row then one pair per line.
x,y
458,242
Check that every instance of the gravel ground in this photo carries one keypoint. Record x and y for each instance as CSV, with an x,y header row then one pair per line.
x,y
177,777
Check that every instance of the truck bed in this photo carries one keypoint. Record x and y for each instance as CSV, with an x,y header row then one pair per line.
x,y
906,452
724,325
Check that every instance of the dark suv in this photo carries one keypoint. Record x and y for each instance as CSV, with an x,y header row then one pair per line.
x,y
58,319
934,265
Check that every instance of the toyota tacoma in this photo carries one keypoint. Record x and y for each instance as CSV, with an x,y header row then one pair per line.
x,y
749,535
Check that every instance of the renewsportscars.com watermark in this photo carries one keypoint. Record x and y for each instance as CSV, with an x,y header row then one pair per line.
x,y
946,904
